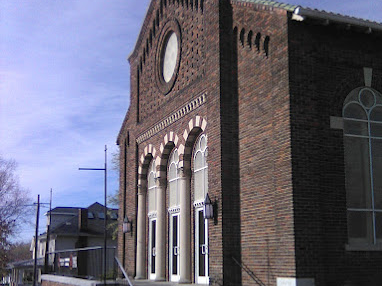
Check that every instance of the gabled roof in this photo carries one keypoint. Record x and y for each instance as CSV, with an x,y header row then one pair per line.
x,y
64,210
70,227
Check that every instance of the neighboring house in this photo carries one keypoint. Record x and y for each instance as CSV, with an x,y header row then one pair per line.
x,y
73,228
275,112
21,272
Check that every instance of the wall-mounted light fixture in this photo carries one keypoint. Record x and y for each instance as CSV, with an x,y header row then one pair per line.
x,y
208,208
127,225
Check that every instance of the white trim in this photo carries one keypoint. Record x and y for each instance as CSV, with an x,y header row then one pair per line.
x,y
173,210
198,204
201,279
152,215
281,281
151,276
174,278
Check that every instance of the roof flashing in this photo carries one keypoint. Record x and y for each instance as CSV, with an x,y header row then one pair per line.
x,y
300,14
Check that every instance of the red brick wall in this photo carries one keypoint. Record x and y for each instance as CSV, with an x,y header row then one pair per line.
x,y
326,63
198,74
266,206
276,171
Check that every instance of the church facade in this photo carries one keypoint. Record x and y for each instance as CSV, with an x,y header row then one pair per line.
x,y
251,153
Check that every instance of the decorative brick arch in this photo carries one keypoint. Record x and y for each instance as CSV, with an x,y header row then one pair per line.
x,y
195,126
149,153
170,141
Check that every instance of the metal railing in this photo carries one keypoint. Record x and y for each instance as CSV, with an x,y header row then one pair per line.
x,y
249,272
123,271
83,263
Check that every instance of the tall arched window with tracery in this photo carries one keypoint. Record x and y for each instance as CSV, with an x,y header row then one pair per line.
x,y
200,177
152,209
173,178
362,114
151,188
174,223
200,169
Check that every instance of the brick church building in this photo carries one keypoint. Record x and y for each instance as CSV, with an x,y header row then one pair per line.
x,y
275,112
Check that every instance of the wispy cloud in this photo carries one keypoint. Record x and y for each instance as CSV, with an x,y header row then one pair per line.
x,y
64,90
64,87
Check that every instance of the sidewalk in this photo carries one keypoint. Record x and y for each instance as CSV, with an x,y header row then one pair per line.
x,y
155,283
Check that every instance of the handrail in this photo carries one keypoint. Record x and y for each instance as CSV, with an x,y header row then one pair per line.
x,y
249,272
123,271
82,249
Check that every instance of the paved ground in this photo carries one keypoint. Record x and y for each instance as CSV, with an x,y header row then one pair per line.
x,y
153,283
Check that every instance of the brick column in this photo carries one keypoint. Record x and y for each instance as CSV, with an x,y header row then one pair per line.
x,y
185,227
161,230
141,235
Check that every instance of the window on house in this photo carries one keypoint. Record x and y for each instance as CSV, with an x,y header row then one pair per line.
x,y
362,114
90,215
151,188
101,215
114,215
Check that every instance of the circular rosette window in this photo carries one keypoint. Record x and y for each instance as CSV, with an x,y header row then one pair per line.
x,y
168,56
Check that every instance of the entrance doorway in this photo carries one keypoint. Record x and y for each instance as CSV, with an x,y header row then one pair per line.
x,y
201,248
152,248
174,247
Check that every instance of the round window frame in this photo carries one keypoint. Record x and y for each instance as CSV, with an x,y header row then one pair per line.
x,y
170,27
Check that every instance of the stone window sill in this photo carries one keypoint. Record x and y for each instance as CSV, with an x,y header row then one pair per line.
x,y
363,247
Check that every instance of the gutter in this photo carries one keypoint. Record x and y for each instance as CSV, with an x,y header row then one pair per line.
x,y
300,13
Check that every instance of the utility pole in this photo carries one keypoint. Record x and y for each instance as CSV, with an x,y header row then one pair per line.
x,y
105,212
105,222
35,276
46,264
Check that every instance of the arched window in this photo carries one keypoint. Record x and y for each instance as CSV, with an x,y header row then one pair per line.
x,y
200,169
173,179
151,188
362,114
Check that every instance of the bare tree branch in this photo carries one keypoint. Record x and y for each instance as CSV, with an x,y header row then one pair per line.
x,y
13,212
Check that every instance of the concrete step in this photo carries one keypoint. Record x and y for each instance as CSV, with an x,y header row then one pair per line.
x,y
152,283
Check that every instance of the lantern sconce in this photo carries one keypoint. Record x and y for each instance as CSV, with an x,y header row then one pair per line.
x,y
208,208
127,225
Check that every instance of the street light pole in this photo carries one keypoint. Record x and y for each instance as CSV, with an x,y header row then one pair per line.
x,y
35,269
105,212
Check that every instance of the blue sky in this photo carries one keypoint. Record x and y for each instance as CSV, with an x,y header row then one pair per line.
x,y
64,88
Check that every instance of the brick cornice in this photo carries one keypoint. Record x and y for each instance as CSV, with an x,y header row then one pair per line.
x,y
175,116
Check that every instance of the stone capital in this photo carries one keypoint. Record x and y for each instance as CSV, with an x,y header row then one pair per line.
x,y
183,173
160,181
140,190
